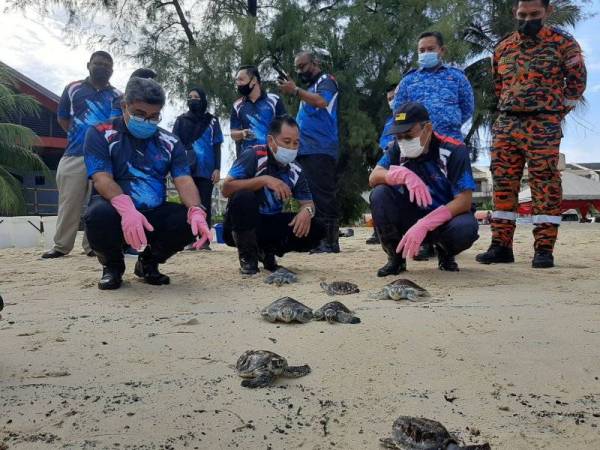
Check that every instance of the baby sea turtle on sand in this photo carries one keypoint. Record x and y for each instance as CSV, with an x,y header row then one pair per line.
x,y
335,312
282,276
261,367
340,288
416,433
287,310
401,289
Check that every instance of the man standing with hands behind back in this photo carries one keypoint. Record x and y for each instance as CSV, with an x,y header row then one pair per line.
x,y
319,142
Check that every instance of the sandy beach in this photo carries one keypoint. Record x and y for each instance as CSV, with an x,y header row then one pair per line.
x,y
500,354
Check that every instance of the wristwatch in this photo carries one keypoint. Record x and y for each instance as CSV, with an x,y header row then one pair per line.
x,y
296,91
311,211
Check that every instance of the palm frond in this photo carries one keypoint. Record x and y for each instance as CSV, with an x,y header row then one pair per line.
x,y
12,201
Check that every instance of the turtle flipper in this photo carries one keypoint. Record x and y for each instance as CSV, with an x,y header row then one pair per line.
x,y
411,296
344,317
296,371
389,443
264,379
381,295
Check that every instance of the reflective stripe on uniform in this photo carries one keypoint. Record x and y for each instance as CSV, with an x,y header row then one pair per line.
x,y
570,103
504,215
546,219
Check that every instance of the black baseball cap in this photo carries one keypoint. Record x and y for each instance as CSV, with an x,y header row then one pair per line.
x,y
406,116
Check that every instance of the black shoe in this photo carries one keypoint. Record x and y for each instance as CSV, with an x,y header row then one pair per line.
x,y
149,272
543,259
269,262
324,247
111,279
247,246
374,239
446,262
496,254
51,254
329,244
91,254
394,266
425,252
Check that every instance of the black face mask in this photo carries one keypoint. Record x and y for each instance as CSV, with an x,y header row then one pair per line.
x,y
530,27
197,106
245,89
305,77
100,74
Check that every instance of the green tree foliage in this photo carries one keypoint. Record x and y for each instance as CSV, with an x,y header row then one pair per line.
x,y
366,44
16,145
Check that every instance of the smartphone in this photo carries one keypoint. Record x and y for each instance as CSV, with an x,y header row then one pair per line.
x,y
281,74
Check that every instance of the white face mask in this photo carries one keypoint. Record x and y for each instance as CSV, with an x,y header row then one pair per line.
x,y
411,148
285,155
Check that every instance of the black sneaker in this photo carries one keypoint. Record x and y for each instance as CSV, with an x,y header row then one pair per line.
x,y
150,274
447,263
543,259
111,279
496,254
374,239
394,266
52,254
249,266
270,262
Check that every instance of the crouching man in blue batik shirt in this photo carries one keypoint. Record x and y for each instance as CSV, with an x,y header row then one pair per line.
x,y
259,184
128,161
423,189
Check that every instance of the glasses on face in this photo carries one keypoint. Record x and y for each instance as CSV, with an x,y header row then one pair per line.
x,y
302,66
141,117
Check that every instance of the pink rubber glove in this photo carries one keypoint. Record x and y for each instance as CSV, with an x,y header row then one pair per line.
x,y
417,189
414,237
196,217
133,222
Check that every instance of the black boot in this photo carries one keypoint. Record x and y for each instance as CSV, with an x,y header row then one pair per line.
x,y
268,259
245,242
113,267
148,271
446,261
496,254
396,264
543,259
111,279
426,251
330,243
374,239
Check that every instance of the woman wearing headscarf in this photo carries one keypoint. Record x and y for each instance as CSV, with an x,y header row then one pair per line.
x,y
200,133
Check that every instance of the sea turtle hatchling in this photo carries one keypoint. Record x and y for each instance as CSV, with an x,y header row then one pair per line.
x,y
416,433
261,367
335,312
401,289
282,276
286,309
339,288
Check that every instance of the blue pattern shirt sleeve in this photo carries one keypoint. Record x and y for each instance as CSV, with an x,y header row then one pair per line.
x,y
460,174
327,89
466,99
280,108
301,190
64,106
179,161
217,136
234,120
385,161
96,154
401,96
245,166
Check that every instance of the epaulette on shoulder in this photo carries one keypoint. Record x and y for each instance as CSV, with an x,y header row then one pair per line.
x,y
563,33
102,127
450,142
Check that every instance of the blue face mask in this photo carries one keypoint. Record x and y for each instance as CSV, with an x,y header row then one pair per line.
x,y
142,128
429,60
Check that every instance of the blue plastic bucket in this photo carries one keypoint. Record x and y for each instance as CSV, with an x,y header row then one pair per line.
x,y
219,230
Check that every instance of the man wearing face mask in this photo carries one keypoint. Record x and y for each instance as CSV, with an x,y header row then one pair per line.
x,y
254,111
200,133
539,75
445,91
83,104
422,192
319,141
128,160
259,185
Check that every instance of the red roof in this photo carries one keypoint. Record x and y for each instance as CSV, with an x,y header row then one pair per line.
x,y
26,85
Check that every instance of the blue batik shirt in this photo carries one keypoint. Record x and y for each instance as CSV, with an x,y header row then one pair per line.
x,y
256,116
86,106
445,92
139,166
258,161
445,168
319,126
386,139
205,151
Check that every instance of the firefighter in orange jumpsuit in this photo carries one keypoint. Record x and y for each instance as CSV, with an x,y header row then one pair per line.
x,y
539,75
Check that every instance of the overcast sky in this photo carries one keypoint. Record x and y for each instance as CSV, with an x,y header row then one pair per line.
x,y
36,47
